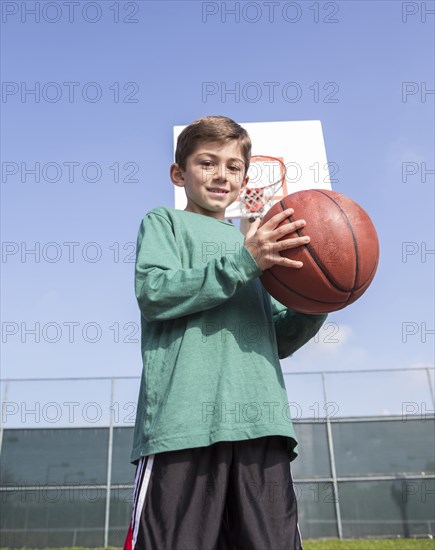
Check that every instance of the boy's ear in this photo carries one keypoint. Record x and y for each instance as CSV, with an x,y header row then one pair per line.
x,y
177,175
245,181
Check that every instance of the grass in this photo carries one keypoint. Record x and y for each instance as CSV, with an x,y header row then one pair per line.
x,y
383,544
390,544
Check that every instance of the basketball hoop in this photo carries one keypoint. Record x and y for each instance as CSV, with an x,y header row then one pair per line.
x,y
262,186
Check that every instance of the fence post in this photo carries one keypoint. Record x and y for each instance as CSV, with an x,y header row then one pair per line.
x,y
109,466
4,399
431,389
332,459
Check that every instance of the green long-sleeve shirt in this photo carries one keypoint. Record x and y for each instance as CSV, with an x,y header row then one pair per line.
x,y
211,338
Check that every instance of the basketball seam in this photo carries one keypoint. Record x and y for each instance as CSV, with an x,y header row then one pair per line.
x,y
344,301
314,256
355,242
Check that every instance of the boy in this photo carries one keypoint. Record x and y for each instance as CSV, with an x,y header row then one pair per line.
x,y
213,438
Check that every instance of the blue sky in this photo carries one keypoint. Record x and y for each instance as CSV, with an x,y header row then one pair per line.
x,y
150,69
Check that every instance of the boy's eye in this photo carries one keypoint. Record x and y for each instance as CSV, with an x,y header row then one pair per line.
x,y
211,164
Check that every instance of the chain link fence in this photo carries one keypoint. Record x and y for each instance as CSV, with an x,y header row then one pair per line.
x,y
366,464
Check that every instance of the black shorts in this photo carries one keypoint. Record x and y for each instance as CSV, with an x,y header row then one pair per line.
x,y
233,495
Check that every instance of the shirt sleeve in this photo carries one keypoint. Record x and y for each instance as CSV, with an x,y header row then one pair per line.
x,y
293,329
166,290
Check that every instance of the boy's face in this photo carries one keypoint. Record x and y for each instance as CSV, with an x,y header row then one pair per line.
x,y
214,176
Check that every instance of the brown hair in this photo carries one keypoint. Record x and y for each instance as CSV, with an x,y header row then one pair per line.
x,y
211,128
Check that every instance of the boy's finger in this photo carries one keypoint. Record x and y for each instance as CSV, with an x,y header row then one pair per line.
x,y
286,262
291,243
277,219
253,228
287,228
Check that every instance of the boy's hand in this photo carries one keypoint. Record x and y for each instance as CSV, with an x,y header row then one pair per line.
x,y
261,241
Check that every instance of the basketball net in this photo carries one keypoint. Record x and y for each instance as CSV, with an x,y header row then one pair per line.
x,y
267,179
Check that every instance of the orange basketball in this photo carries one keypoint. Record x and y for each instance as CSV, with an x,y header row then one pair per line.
x,y
340,260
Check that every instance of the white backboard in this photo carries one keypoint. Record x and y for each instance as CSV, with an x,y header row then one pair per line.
x,y
300,146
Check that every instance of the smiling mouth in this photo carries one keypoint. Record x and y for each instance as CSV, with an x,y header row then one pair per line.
x,y
217,191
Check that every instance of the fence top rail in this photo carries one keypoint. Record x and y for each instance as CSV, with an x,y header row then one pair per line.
x,y
428,417
287,373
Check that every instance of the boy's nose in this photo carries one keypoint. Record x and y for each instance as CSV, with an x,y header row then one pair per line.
x,y
222,172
